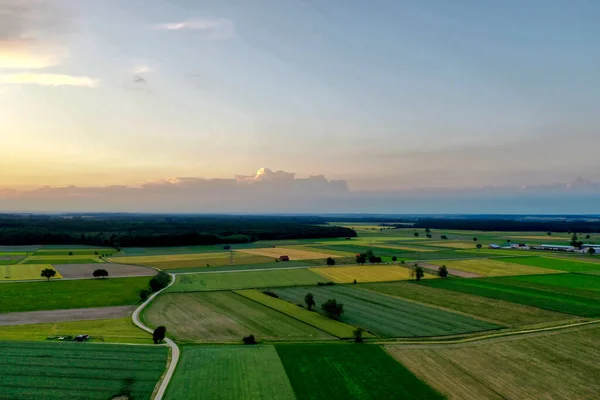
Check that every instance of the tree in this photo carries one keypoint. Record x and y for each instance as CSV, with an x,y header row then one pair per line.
x,y
587,237
443,271
419,273
100,273
474,239
479,246
309,300
70,253
369,253
144,294
429,236
358,335
354,282
427,230
250,339
373,259
330,261
160,281
361,259
416,234
159,334
549,233
591,251
394,258
48,273
574,240
444,237
332,308
227,247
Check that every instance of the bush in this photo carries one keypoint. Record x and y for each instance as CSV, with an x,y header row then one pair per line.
x,y
250,339
159,334
354,282
332,308
394,258
330,261
272,294
330,283
144,294
70,253
160,281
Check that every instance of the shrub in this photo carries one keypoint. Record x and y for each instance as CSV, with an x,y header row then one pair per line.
x,y
250,339
332,308
394,258
159,334
272,294
330,261
160,281
70,253
330,283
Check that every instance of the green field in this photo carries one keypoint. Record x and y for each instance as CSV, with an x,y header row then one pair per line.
x,y
75,252
563,283
544,297
555,366
76,371
349,372
118,330
317,320
560,264
244,280
230,373
64,260
224,317
55,295
388,316
496,311
356,249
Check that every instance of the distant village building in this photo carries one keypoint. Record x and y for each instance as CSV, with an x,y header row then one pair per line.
x,y
554,247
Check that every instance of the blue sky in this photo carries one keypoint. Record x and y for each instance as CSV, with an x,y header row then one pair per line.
x,y
385,95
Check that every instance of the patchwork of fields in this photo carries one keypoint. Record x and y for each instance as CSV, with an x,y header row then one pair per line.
x,y
494,267
374,273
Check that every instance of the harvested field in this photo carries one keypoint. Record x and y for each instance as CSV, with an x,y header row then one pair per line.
x,y
504,289
557,264
53,371
230,373
114,330
356,249
321,371
453,244
377,273
387,316
114,270
238,260
495,311
294,254
76,314
489,267
311,318
85,293
557,366
75,252
21,272
224,317
244,280
411,249
63,259
142,260
455,272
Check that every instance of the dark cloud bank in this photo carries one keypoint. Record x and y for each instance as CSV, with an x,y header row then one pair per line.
x,y
282,192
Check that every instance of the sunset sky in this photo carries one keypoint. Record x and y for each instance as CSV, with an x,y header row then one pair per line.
x,y
383,94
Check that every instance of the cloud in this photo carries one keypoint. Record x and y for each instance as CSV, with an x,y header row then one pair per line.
x,y
48,80
213,28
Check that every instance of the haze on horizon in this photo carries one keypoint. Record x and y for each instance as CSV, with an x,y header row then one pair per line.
x,y
380,96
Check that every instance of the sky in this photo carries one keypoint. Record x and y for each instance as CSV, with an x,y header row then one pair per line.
x,y
383,96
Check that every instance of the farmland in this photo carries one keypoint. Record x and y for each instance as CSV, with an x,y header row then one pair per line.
x,y
388,316
114,270
558,366
20,272
496,311
224,317
502,289
367,273
244,280
44,251
493,267
185,261
562,283
349,372
293,254
230,373
557,264
54,295
53,371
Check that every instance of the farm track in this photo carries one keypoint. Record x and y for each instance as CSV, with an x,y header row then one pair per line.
x,y
161,387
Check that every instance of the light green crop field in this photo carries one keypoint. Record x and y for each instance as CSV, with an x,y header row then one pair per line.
x,y
78,371
496,267
559,264
118,330
556,366
56,295
244,280
311,318
238,260
561,283
230,373
21,272
343,372
388,316
224,317
75,252
493,310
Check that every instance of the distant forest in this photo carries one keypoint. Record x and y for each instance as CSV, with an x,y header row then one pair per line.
x,y
137,230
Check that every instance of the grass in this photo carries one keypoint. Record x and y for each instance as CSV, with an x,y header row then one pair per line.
x,y
244,280
118,330
230,373
497,311
293,253
224,317
356,249
56,295
388,316
573,283
349,372
20,272
453,244
76,371
238,260
311,318
76,252
493,267
270,265
554,263
557,366
375,273
62,261
569,302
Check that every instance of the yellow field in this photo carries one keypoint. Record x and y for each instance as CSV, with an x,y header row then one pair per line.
x,y
294,254
455,244
485,267
329,251
379,273
18,272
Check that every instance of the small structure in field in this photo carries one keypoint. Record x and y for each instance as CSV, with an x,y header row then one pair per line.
x,y
284,258
81,338
493,246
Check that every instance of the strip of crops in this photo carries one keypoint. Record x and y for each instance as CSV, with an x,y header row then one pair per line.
x,y
388,316
560,264
349,372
